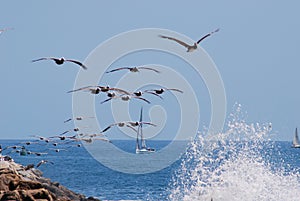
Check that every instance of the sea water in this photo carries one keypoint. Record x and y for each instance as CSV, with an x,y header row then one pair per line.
x,y
241,163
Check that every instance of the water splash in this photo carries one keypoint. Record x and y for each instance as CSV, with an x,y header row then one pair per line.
x,y
234,165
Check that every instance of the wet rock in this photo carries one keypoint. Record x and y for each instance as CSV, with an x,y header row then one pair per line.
x,y
26,183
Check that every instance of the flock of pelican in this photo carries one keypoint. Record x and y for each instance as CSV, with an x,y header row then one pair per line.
x,y
62,142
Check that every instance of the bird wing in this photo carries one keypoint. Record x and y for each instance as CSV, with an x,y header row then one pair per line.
x,y
117,69
207,35
178,90
82,88
78,63
122,91
147,68
40,163
44,58
148,123
105,129
135,130
67,120
176,40
106,100
153,93
142,99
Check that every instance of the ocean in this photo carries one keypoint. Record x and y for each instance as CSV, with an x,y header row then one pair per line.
x,y
226,166
241,163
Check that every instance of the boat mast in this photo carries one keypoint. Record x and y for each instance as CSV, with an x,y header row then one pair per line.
x,y
296,138
141,129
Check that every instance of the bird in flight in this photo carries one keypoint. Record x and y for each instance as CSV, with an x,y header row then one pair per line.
x,y
161,91
124,97
190,48
134,69
98,89
43,162
130,124
60,61
79,118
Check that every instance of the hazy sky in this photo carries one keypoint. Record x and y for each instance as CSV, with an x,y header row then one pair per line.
x,y
256,53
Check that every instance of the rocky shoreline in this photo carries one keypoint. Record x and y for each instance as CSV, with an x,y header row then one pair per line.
x,y
18,182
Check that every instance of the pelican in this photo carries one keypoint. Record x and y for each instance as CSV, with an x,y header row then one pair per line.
x,y
74,130
124,97
161,91
134,69
77,119
12,147
60,61
98,89
29,142
130,124
140,93
43,162
36,153
190,48
93,135
47,140
90,140
58,150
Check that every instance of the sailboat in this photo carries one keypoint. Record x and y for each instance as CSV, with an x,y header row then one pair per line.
x,y
141,147
296,143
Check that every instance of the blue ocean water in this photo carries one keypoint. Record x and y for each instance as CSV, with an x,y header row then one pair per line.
x,y
76,169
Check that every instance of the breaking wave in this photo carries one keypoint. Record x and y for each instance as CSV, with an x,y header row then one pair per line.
x,y
238,164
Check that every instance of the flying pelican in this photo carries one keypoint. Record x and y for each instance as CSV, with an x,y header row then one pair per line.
x,y
12,147
58,150
140,93
94,135
74,129
124,97
134,69
90,140
193,47
43,162
61,60
98,89
76,118
161,91
130,124
47,140
36,153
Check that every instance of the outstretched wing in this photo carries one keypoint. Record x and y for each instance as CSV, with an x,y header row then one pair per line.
x,y
44,58
148,123
117,69
178,90
106,100
142,99
176,40
78,63
121,91
153,93
207,35
147,68
82,88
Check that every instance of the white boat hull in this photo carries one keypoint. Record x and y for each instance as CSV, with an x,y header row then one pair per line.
x,y
144,151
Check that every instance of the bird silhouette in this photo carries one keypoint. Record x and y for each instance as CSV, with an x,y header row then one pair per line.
x,y
134,69
60,61
43,162
190,48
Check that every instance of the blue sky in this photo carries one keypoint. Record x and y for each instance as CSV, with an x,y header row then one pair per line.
x,y
256,53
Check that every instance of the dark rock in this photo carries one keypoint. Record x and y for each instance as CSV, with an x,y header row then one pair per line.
x,y
10,196
27,184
